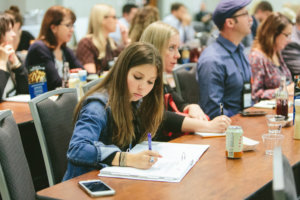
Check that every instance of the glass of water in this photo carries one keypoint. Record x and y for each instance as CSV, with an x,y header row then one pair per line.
x,y
275,123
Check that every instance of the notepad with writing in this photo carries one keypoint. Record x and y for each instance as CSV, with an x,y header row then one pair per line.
x,y
177,159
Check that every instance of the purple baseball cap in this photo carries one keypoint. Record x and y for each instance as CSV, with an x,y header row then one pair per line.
x,y
226,8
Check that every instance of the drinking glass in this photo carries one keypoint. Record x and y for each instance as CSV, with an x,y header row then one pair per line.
x,y
271,141
275,123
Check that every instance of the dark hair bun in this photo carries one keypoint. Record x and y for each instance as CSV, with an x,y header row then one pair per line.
x,y
14,9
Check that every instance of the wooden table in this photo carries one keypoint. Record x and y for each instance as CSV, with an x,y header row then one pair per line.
x,y
213,176
21,111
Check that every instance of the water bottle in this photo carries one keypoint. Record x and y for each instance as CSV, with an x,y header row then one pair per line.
x,y
82,77
74,82
65,78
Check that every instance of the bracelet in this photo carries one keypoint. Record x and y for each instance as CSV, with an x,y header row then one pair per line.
x,y
123,159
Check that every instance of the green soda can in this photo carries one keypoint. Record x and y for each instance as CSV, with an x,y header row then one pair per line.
x,y
234,142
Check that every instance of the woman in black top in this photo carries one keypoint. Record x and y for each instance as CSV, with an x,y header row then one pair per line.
x,y
13,75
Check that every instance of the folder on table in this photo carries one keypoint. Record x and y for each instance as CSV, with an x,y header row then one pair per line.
x,y
177,159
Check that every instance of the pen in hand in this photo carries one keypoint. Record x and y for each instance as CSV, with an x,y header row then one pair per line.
x,y
149,141
221,109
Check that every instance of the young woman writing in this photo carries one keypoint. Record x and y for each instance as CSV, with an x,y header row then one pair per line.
x,y
118,113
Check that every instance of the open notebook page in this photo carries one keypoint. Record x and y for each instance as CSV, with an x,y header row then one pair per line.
x,y
177,160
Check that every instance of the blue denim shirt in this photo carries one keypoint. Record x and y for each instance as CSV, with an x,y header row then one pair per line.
x,y
219,79
91,142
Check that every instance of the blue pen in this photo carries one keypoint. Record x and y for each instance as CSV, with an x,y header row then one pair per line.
x,y
149,141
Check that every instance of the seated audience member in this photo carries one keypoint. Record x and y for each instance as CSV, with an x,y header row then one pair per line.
x,y
181,20
223,68
291,53
143,18
204,17
13,75
166,39
97,49
118,113
23,38
261,12
124,23
50,49
265,57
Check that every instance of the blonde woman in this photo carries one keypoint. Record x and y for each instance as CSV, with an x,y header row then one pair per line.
x,y
97,49
143,18
118,113
166,39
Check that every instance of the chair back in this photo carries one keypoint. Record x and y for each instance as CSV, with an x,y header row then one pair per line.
x,y
186,84
284,187
53,123
86,87
15,177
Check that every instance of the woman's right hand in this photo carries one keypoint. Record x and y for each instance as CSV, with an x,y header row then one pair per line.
x,y
220,123
7,53
142,160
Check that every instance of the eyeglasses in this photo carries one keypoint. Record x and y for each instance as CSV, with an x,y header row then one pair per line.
x,y
287,35
111,16
243,14
69,25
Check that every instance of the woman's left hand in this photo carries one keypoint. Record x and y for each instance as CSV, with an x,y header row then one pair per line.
x,y
194,111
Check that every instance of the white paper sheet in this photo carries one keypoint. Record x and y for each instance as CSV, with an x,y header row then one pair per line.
x,y
210,134
177,160
19,98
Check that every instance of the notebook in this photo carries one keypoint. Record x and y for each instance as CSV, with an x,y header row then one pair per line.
x,y
177,159
19,98
265,104
210,134
268,104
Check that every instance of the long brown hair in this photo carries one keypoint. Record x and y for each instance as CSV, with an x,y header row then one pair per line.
x,y
143,18
5,21
268,31
150,112
53,16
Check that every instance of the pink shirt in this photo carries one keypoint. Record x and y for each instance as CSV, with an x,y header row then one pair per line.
x,y
266,75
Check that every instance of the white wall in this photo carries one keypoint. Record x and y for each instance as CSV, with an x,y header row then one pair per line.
x,y
82,7
165,6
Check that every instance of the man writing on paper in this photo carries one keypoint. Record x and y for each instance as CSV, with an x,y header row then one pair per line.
x,y
223,70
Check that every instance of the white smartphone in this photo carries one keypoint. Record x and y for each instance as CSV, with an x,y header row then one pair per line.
x,y
96,188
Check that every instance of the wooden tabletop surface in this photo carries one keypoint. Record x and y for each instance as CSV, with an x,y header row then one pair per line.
x,y
21,111
213,176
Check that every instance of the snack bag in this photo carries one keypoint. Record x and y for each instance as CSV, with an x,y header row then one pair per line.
x,y
37,80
